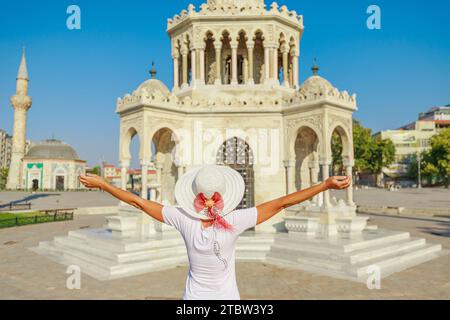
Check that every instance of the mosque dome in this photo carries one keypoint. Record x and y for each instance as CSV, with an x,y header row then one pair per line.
x,y
52,149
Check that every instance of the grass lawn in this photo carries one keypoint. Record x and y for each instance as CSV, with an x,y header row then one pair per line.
x,y
8,215
8,219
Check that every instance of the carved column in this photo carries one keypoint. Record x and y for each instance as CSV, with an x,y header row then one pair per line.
x,y
295,71
267,68
250,47
193,67
285,56
176,71
153,194
201,53
245,71
218,47
125,165
275,64
349,173
234,68
314,173
290,176
159,167
326,174
184,55
144,178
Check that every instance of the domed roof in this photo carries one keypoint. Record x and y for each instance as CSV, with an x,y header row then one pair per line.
x,y
52,149
154,86
316,85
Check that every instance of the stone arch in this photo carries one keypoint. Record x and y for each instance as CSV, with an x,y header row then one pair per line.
x,y
238,155
189,45
283,48
127,137
292,137
344,136
210,57
242,56
258,56
306,150
291,56
226,38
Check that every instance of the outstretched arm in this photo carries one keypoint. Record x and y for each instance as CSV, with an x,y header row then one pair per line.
x,y
271,208
151,208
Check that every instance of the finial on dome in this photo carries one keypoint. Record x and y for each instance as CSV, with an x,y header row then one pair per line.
x,y
315,69
153,71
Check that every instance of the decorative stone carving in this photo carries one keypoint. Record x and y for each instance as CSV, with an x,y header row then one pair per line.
x,y
351,225
234,7
314,122
306,225
333,119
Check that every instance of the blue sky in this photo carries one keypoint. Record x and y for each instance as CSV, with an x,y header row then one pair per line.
x,y
76,76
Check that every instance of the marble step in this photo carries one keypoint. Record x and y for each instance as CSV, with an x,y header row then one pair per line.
x,y
388,265
290,257
375,242
398,262
364,255
338,246
104,269
329,272
354,257
121,257
127,245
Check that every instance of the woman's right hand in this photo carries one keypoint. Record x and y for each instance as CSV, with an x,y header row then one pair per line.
x,y
92,181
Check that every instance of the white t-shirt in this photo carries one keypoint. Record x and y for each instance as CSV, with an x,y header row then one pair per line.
x,y
211,276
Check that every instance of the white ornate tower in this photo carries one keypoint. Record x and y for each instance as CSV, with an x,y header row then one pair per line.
x,y
21,103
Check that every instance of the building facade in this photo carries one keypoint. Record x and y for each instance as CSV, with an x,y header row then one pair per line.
x,y
5,149
415,138
134,177
52,165
236,101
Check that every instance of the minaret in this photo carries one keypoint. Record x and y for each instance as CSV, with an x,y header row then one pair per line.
x,y
21,102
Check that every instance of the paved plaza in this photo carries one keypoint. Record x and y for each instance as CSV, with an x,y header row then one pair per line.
x,y
409,198
26,275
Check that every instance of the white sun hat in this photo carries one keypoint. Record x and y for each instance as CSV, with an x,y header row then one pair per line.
x,y
208,180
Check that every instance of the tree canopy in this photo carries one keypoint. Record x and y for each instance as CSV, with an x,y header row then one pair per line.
x,y
372,154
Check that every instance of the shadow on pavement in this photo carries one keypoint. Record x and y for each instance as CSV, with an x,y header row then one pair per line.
x,y
442,230
30,198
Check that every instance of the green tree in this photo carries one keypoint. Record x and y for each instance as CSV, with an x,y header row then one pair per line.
x,y
3,178
97,170
382,155
336,150
371,154
362,141
437,160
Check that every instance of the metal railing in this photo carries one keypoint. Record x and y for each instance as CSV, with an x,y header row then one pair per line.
x,y
16,206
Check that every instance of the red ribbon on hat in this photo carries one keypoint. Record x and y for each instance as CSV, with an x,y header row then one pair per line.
x,y
214,206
